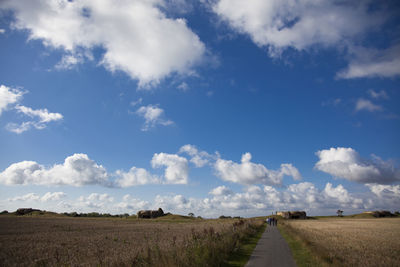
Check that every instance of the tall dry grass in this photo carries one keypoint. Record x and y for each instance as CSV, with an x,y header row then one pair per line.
x,y
119,242
350,242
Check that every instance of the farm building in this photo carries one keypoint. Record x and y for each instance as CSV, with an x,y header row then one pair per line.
x,y
292,214
150,213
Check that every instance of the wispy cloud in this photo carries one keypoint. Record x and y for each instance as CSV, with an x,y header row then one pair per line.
x,y
365,104
378,94
9,99
153,116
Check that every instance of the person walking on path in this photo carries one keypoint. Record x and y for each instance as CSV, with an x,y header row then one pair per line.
x,y
271,250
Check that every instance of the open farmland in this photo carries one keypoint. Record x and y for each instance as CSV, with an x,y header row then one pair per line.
x,y
27,241
350,242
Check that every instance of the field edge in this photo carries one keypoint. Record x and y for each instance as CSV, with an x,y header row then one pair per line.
x,y
240,257
301,253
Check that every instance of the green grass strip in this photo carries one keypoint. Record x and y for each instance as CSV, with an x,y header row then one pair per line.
x,y
301,253
240,257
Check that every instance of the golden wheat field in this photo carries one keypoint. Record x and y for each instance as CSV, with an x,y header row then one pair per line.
x,y
351,242
60,241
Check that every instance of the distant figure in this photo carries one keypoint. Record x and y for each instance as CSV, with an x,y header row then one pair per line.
x,y
268,221
276,222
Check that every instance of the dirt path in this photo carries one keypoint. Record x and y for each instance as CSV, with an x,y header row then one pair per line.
x,y
271,250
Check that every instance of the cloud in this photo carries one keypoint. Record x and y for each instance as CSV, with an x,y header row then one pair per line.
x,y
2,31
43,117
365,104
136,36
135,176
8,97
183,87
177,169
385,197
177,203
346,163
99,197
221,191
49,196
153,117
11,97
249,173
95,201
137,102
198,158
80,170
369,63
27,197
132,204
77,170
385,191
68,62
43,114
304,25
378,95
256,200
53,196
280,24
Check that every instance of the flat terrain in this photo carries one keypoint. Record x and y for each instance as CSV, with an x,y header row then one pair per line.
x,y
27,241
350,242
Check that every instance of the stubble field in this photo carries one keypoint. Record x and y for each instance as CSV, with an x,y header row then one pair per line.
x,y
350,242
26,241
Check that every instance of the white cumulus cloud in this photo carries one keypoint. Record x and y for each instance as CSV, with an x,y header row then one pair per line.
x,y
221,191
27,197
198,158
135,176
49,196
388,191
136,35
131,204
280,24
177,169
248,172
256,200
347,163
53,196
305,25
77,170
153,116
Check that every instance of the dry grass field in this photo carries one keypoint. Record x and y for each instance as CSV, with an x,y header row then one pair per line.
x,y
41,241
350,242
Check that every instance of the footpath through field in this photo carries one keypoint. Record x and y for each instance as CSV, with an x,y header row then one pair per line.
x,y
271,250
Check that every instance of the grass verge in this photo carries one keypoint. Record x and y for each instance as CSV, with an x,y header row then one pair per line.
x,y
242,255
301,253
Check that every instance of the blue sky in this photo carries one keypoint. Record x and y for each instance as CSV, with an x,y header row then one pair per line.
x,y
212,107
